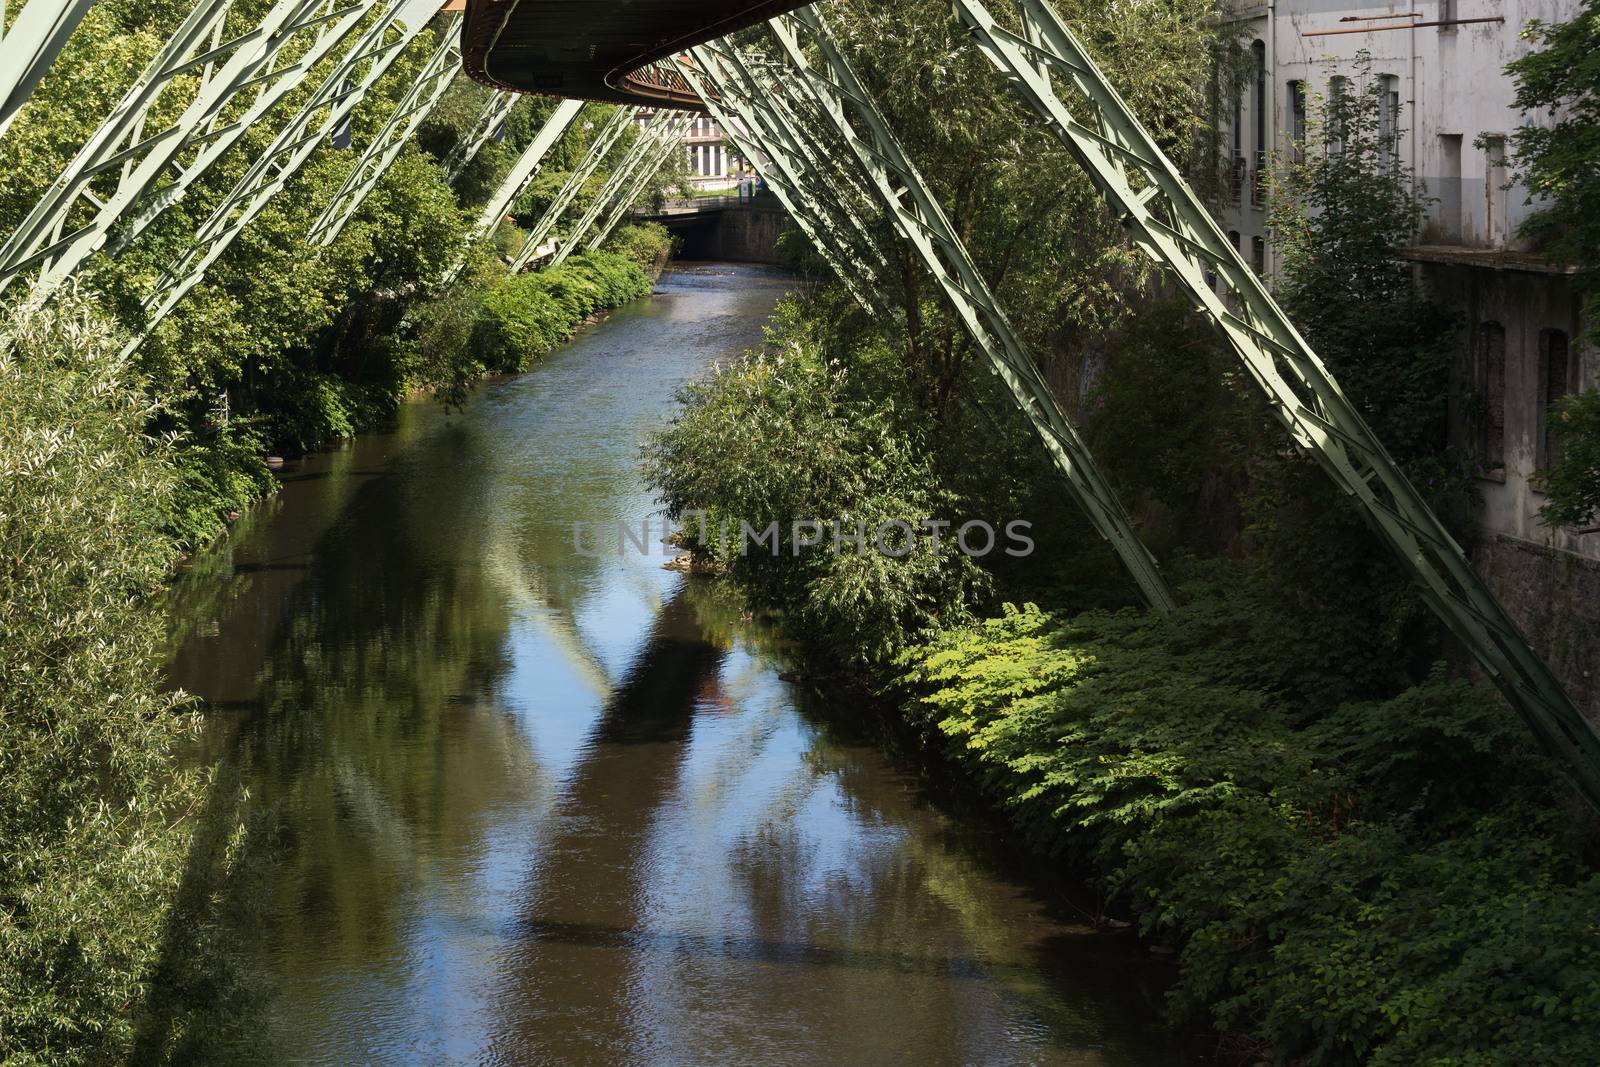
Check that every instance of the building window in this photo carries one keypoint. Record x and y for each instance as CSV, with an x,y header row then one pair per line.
x,y
1338,112
1555,381
1297,119
1449,228
1258,255
1494,161
1492,391
1233,238
1258,104
1388,117
1236,164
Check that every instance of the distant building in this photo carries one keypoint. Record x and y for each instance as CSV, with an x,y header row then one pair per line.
x,y
1442,65
711,165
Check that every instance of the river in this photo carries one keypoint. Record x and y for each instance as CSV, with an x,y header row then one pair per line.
x,y
537,806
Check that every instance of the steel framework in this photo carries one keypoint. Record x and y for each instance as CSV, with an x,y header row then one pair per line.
x,y
655,159
415,106
30,46
763,131
373,52
663,127
904,197
71,220
490,120
1172,225
604,141
525,169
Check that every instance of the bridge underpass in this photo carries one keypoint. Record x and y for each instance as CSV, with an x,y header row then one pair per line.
x,y
789,95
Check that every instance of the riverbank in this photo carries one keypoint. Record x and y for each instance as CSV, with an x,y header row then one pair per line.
x,y
485,323
1351,865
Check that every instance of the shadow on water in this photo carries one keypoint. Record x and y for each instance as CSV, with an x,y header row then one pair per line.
x,y
509,803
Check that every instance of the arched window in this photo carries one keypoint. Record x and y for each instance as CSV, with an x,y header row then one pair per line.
x,y
1339,105
1258,255
1297,119
1388,116
1233,236
1555,380
1258,106
1236,163
1492,388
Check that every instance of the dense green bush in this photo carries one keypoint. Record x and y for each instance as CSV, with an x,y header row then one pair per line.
x,y
1573,481
778,436
527,316
647,243
91,813
1387,883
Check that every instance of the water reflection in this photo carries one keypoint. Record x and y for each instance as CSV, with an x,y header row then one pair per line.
x,y
540,807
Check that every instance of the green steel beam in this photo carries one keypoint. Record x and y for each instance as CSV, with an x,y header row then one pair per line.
x,y
787,177
373,52
654,161
421,97
1172,225
604,142
526,168
490,119
904,196
125,175
620,178
807,159
29,47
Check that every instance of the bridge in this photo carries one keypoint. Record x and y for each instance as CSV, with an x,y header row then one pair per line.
x,y
786,90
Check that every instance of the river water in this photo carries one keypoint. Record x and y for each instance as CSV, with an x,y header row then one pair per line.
x,y
536,806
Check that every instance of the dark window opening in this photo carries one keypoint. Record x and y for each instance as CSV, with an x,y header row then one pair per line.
x,y
1555,381
1258,255
1492,387
1258,173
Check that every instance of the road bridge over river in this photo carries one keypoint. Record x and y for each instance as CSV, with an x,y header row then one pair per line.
x,y
789,95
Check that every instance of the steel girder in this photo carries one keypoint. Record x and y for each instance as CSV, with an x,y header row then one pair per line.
x,y
417,104
905,198
671,142
152,174
787,176
1172,225
604,141
620,177
827,190
490,119
30,46
373,52
526,168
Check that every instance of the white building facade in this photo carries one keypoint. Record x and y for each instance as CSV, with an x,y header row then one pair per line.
x,y
1520,347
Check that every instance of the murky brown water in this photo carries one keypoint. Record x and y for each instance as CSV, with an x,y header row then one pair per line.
x,y
537,807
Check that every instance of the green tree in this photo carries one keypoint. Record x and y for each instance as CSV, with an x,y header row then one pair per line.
x,y
1559,161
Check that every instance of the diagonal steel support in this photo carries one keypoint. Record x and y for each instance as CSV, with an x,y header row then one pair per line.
x,y
904,196
619,178
526,168
784,174
72,220
604,142
670,142
329,107
414,107
1172,225
490,120
29,47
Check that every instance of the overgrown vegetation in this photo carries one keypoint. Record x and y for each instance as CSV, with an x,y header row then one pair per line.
x,y
1357,852
1557,156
